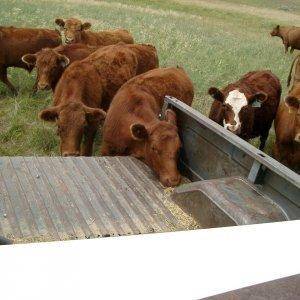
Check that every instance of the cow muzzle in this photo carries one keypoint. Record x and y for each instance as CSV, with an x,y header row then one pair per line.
x,y
170,181
74,153
69,40
43,86
233,128
297,138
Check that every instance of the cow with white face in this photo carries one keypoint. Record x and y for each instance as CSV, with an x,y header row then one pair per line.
x,y
247,107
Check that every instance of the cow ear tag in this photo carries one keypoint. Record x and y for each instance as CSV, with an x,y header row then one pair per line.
x,y
256,103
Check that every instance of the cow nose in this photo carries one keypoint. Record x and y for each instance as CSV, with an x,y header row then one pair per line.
x,y
69,40
171,181
43,86
76,153
232,128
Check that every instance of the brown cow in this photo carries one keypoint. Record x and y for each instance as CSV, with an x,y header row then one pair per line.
x,y
133,127
51,62
287,128
247,107
290,36
89,84
77,32
294,75
15,42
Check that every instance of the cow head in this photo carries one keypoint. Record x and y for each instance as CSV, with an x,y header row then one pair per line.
x,y
293,104
49,64
72,119
238,108
72,29
161,146
275,31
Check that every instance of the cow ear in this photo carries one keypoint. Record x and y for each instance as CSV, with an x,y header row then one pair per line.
x,y
64,61
171,117
138,132
60,22
49,114
86,26
29,59
257,99
94,114
216,94
292,102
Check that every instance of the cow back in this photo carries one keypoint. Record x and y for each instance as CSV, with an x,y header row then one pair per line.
x,y
16,42
106,37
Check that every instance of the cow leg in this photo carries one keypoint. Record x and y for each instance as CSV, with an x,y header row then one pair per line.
x,y
105,149
4,79
88,141
263,139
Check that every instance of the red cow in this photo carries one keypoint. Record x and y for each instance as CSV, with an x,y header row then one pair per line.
x,y
15,42
132,126
88,85
51,62
77,32
287,128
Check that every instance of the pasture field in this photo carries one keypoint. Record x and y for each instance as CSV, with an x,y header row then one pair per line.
x,y
214,44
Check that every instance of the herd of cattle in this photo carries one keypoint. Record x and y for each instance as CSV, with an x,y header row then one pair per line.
x,y
104,78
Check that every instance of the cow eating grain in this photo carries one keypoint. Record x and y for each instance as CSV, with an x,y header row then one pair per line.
x,y
287,128
15,42
133,127
90,84
247,107
51,62
77,32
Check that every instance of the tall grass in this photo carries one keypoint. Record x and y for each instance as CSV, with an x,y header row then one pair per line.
x,y
215,47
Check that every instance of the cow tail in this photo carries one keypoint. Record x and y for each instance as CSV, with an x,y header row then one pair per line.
x,y
290,74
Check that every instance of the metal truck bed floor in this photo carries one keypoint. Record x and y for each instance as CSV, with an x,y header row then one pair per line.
x,y
56,198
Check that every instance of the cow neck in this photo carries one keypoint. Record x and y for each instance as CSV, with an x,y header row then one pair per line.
x,y
285,31
290,110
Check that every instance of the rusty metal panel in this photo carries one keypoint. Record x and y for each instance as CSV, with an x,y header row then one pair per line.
x,y
59,198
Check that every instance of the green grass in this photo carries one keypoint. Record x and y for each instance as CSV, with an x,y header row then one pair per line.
x,y
292,6
214,46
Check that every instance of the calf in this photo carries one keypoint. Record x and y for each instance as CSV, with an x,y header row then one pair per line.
x,y
287,128
77,32
133,126
86,86
15,42
247,107
51,62
290,36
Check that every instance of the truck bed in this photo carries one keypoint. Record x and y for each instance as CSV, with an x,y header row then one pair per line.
x,y
61,198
